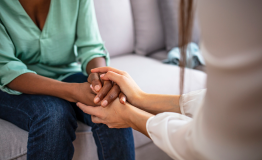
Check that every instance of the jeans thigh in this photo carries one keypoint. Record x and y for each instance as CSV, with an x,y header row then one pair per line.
x,y
22,110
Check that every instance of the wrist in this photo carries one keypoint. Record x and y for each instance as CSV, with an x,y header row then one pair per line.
x,y
70,92
139,99
128,115
127,111
137,118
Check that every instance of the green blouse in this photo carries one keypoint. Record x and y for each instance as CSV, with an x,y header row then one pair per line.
x,y
69,40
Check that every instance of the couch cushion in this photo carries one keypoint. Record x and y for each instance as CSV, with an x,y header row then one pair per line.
x,y
159,55
13,141
140,139
148,26
115,23
155,77
170,15
151,152
85,147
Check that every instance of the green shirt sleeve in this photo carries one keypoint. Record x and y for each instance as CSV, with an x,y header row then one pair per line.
x,y
10,66
89,43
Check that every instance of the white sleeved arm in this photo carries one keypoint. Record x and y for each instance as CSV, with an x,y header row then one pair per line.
x,y
191,101
162,127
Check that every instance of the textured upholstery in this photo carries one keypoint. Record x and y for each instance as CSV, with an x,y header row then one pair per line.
x,y
155,77
150,152
170,15
159,55
13,141
115,23
149,33
85,147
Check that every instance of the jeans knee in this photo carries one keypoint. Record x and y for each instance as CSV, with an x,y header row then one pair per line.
x,y
55,113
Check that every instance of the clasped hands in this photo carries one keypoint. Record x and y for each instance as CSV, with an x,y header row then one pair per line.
x,y
113,103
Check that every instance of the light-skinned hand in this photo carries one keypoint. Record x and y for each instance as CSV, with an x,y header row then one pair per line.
x,y
127,85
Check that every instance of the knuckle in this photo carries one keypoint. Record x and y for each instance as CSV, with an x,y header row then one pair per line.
x,y
108,84
116,89
124,73
89,79
110,72
112,96
96,81
100,95
91,76
123,78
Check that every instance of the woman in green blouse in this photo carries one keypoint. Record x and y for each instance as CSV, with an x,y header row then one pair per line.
x,y
47,49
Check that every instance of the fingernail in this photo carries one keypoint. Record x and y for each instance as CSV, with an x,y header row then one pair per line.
x,y
96,100
124,99
104,103
97,87
102,75
91,86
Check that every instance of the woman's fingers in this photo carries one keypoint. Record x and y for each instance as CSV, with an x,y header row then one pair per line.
x,y
106,69
112,76
103,92
95,92
96,111
122,98
94,79
111,96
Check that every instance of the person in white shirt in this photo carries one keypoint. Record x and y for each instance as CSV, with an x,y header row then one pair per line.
x,y
223,122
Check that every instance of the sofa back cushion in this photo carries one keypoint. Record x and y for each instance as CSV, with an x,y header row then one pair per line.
x,y
149,33
116,27
170,15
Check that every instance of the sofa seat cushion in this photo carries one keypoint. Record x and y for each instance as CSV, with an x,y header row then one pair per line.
x,y
159,55
155,77
13,141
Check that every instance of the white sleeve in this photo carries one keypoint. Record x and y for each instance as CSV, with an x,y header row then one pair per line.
x,y
191,101
162,127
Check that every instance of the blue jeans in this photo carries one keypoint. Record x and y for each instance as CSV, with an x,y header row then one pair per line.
x,y
51,123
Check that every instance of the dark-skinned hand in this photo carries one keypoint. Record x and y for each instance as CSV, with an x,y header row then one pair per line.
x,y
106,91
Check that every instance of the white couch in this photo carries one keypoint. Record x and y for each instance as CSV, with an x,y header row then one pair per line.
x,y
133,33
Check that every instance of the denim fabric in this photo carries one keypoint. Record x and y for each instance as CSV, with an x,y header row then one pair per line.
x,y
51,123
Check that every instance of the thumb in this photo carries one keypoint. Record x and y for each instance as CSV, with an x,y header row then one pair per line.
x,y
89,109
